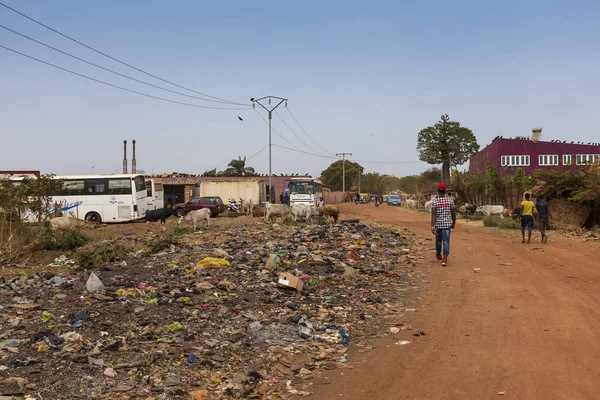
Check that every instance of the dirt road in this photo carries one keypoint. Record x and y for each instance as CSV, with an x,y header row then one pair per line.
x,y
527,324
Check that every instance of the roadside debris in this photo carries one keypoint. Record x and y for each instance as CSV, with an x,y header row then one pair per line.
x,y
245,313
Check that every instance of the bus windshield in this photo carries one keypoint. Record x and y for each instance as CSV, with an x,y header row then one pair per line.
x,y
302,188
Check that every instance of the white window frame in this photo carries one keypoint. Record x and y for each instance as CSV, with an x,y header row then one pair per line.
x,y
515,161
584,159
548,160
567,159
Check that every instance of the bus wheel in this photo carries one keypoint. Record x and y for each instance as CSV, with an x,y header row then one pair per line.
x,y
93,217
180,213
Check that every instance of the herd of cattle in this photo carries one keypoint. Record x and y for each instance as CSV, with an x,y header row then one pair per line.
x,y
296,212
269,212
467,209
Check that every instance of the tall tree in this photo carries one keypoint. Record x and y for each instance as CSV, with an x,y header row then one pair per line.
x,y
373,183
333,174
446,143
238,168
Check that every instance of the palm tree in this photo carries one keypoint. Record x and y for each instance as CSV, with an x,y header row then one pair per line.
x,y
211,172
238,168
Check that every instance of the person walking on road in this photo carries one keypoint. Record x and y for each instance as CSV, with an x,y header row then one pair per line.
x,y
527,217
443,220
543,209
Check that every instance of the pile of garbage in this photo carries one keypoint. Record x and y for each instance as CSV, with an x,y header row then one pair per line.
x,y
231,314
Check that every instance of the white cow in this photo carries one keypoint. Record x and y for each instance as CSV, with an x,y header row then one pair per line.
x,y
429,204
247,205
194,217
277,210
411,204
66,222
491,210
301,211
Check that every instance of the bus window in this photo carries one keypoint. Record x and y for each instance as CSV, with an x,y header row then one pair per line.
x,y
149,188
140,184
72,188
93,186
119,186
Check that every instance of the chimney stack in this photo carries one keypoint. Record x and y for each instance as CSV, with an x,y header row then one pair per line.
x,y
124,156
133,166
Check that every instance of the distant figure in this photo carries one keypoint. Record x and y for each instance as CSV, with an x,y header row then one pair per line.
x,y
321,203
543,209
527,217
357,198
281,198
443,220
286,199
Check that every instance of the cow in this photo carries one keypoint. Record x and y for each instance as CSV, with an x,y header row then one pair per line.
x,y
301,211
67,222
277,210
411,204
429,204
258,211
195,217
160,214
246,205
467,209
331,211
491,210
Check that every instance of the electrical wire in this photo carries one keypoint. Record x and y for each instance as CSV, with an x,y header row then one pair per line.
x,y
107,69
276,131
295,134
304,130
119,61
116,86
257,153
304,152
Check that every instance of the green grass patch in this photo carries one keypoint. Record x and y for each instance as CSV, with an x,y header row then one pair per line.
x,y
502,223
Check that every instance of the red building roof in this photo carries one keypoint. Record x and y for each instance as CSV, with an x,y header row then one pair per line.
x,y
506,155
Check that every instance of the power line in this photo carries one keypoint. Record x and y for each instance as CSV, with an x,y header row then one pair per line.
x,y
304,130
116,86
257,153
295,134
277,132
304,152
107,69
117,60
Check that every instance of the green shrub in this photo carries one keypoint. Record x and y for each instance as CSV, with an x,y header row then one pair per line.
x,y
71,239
502,223
51,239
47,239
102,253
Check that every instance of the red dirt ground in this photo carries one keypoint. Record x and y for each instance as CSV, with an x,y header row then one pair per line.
x,y
527,324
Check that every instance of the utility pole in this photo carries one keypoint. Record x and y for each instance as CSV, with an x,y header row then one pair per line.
x,y
270,111
343,155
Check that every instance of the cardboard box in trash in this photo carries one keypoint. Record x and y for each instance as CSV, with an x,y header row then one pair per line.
x,y
290,281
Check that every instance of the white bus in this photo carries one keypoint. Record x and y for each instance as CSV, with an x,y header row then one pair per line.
x,y
156,194
305,191
99,198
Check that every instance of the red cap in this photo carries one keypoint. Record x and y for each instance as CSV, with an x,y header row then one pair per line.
x,y
442,187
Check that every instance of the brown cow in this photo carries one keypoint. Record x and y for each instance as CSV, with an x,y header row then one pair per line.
x,y
331,211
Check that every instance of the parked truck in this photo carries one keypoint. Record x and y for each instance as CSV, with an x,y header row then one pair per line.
x,y
235,190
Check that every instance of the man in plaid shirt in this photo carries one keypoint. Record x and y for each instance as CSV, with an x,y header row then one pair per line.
x,y
443,220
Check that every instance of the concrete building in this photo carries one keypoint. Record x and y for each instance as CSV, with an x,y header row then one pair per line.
x,y
530,154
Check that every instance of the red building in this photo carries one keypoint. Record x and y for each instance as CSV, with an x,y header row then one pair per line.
x,y
506,155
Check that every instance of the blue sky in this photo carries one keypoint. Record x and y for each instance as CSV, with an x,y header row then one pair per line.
x,y
361,77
